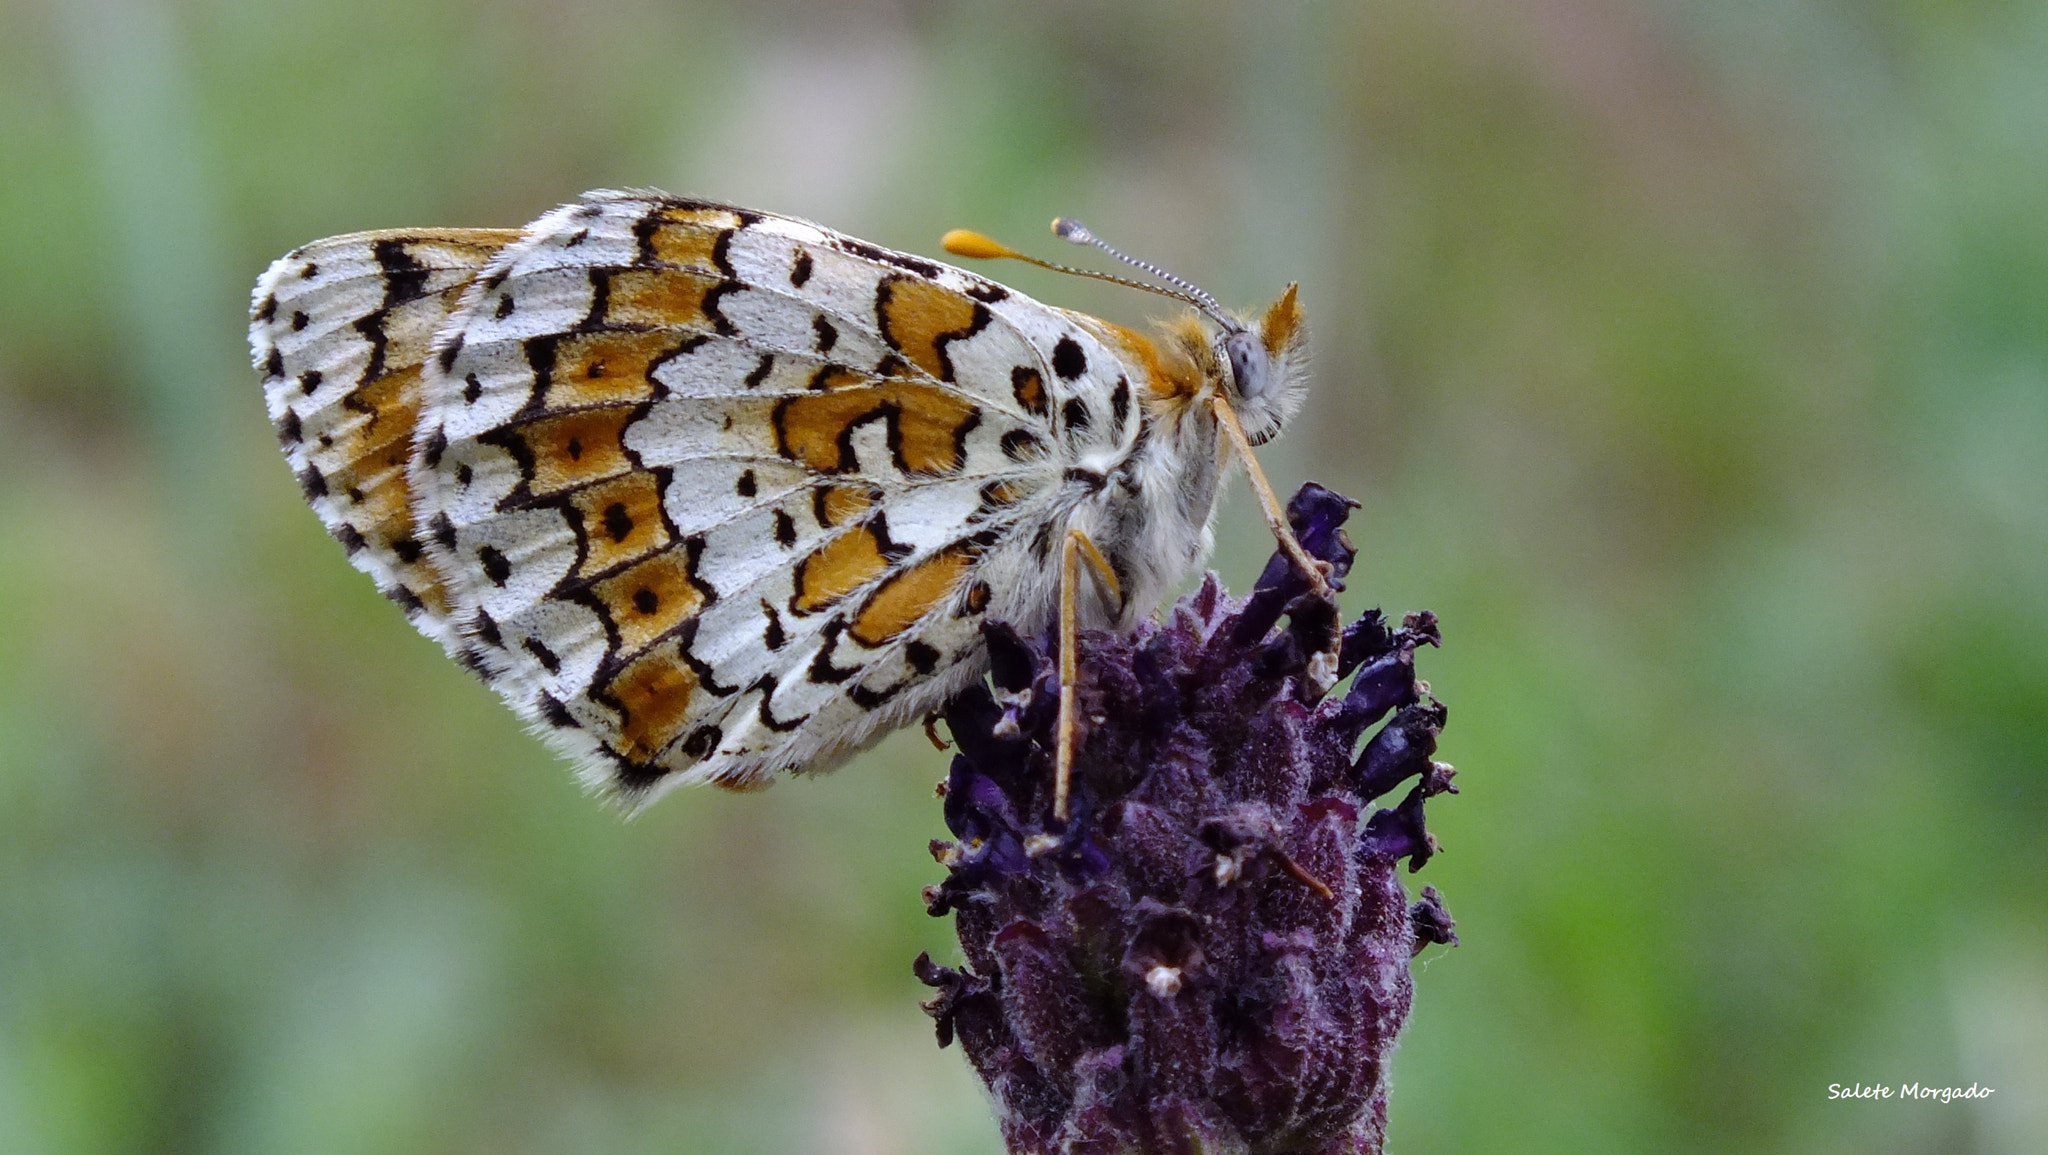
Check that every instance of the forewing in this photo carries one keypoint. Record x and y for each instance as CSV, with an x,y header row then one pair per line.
x,y
339,329
713,491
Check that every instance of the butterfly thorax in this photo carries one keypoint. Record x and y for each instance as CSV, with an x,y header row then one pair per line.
x,y
1153,522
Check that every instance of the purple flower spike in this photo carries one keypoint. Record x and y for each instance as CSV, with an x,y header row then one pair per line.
x,y
1210,954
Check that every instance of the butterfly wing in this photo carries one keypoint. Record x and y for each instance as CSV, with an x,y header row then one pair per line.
x,y
715,494
339,329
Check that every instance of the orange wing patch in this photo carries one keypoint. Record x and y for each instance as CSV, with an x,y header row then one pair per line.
x,y
653,698
658,297
837,505
650,599
621,521
366,460
687,236
605,368
903,599
570,449
918,318
927,426
841,566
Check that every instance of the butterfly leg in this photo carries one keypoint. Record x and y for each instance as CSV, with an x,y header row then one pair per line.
x,y
1269,503
1076,549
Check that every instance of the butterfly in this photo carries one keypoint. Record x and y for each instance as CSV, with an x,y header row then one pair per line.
x,y
711,494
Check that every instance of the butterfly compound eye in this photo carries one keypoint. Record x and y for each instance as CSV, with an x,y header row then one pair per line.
x,y
1247,362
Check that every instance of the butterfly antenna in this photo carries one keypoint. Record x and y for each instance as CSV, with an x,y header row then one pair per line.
x,y
1074,232
977,246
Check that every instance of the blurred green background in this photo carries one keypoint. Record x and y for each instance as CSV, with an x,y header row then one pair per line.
x,y
1690,358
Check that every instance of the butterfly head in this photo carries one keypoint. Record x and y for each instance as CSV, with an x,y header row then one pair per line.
x,y
1261,364
1268,366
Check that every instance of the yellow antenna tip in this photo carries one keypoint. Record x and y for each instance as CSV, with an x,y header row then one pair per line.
x,y
968,243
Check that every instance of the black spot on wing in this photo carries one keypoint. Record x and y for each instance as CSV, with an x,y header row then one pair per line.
x,y
702,741
405,279
801,271
1076,416
1027,385
496,566
617,522
554,712
1068,360
1022,445
437,444
485,629
542,654
869,699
